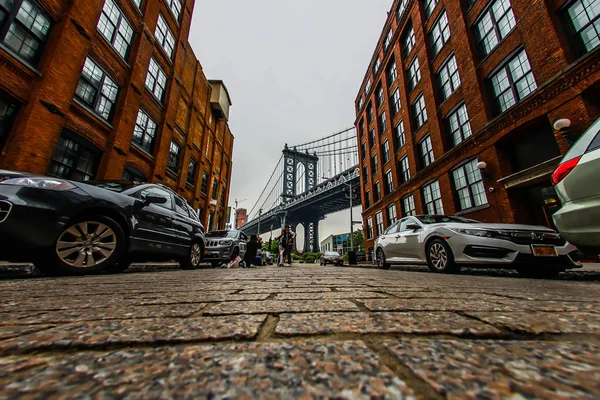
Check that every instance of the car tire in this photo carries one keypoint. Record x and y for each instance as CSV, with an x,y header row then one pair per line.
x,y
76,247
381,260
539,273
440,257
194,257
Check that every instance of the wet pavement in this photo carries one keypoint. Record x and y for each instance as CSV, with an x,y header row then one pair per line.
x,y
300,332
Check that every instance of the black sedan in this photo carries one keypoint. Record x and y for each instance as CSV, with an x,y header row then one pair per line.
x,y
67,227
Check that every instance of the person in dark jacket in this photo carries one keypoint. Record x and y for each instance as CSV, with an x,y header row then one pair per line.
x,y
286,242
251,250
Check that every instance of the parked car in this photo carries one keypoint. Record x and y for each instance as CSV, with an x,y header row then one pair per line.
x,y
68,227
576,183
331,257
447,243
224,246
269,257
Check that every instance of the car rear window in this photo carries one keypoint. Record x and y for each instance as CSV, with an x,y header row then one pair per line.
x,y
595,143
583,144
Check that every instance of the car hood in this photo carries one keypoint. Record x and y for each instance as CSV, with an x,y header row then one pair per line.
x,y
6,174
502,227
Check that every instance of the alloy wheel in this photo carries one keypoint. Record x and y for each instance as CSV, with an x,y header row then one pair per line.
x,y
380,258
438,256
86,244
196,254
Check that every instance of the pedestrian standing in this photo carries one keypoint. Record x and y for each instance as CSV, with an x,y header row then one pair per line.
x,y
282,241
289,240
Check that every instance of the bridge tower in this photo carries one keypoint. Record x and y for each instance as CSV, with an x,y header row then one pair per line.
x,y
291,159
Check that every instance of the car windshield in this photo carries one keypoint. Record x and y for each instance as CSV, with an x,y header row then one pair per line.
x,y
112,186
332,253
222,234
440,219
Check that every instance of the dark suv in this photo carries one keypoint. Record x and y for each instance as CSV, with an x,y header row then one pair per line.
x,y
224,246
67,227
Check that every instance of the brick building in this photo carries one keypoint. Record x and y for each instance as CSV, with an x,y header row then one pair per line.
x,y
111,89
241,217
454,83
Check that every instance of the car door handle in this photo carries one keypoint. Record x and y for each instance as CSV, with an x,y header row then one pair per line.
x,y
397,236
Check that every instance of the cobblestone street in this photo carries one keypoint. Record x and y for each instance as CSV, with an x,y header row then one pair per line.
x,y
299,332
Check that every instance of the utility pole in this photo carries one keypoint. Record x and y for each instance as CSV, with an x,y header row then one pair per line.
x,y
351,223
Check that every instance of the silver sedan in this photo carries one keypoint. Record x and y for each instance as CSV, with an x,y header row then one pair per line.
x,y
447,243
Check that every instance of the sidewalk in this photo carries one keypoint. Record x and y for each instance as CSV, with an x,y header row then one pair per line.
x,y
299,332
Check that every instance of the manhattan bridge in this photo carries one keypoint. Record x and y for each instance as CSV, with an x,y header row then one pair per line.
x,y
310,181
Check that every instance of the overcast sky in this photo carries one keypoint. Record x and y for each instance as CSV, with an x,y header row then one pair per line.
x,y
293,70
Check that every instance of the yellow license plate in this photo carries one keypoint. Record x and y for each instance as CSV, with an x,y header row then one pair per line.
x,y
544,251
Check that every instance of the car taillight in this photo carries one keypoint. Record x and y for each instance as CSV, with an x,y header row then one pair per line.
x,y
563,170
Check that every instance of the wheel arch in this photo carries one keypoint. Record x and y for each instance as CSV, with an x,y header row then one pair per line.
x,y
108,212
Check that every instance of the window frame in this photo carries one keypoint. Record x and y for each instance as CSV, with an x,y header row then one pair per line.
x,y
391,72
165,36
399,135
451,133
117,27
426,154
404,169
409,40
170,167
453,86
170,4
391,219
370,230
194,172
98,96
204,184
140,144
576,35
388,179
385,152
152,89
429,185
419,122
406,212
456,191
436,27
377,192
374,164
479,40
382,122
84,145
414,73
379,224
504,66
395,102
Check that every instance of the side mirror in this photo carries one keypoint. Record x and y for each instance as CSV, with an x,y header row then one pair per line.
x,y
151,199
413,227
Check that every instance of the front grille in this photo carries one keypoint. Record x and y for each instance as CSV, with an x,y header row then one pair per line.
x,y
533,237
486,252
5,208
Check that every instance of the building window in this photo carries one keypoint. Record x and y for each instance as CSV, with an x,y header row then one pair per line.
x,y
372,137
369,228
215,190
392,73
365,174
204,187
429,7
585,17
374,164
73,159
399,136
156,80
426,152
360,103
419,112
440,33
174,154
97,90
408,206
191,172
363,149
370,113
144,131
448,78
382,123
208,153
385,151
401,8
165,36
388,39
134,175
115,28
432,199
513,81
458,124
414,74
379,223
368,86
404,170
376,192
138,4
8,112
367,199
395,102
175,7
389,183
24,27
379,96
376,66
493,26
392,216
408,40
468,186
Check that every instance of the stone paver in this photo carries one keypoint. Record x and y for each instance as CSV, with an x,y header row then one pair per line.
x,y
98,333
503,370
382,322
300,332
544,322
255,370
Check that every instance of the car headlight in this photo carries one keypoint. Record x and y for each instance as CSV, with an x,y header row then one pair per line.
x,y
225,242
475,232
40,183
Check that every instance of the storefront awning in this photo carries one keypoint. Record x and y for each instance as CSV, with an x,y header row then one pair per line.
x,y
531,176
